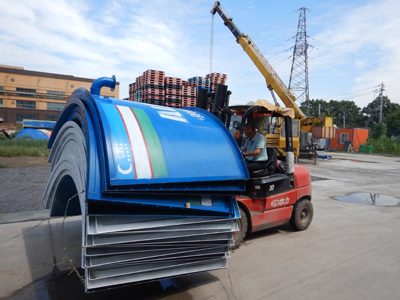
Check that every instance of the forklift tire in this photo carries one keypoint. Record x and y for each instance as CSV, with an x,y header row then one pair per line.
x,y
239,236
302,215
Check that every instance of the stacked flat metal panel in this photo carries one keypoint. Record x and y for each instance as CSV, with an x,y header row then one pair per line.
x,y
122,250
155,187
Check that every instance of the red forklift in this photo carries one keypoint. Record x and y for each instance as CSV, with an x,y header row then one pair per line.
x,y
280,193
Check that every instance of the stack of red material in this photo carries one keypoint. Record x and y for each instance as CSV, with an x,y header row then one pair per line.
x,y
188,96
138,91
148,88
173,91
153,87
132,90
215,79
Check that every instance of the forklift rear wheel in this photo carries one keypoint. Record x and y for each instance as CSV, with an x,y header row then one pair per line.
x,y
302,215
239,236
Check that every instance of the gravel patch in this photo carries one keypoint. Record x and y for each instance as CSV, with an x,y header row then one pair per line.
x,y
22,188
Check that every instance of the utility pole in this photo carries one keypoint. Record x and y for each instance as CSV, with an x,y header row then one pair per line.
x,y
298,83
381,102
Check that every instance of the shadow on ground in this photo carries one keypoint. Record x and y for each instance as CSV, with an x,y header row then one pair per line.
x,y
58,265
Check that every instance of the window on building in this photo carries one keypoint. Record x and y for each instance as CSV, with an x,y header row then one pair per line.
x,y
52,118
344,137
26,92
55,106
1,102
55,95
26,104
1,90
21,117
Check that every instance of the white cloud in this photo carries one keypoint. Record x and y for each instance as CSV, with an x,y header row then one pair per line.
x,y
126,37
364,43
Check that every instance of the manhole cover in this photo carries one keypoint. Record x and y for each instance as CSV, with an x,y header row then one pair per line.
x,y
370,198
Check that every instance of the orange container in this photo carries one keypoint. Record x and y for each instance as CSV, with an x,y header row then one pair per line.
x,y
322,132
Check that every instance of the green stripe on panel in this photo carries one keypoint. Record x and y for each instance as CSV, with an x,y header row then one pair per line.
x,y
153,143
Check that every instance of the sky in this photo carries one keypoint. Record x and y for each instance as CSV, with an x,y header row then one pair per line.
x,y
354,44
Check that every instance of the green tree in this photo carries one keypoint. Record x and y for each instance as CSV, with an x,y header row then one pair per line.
x,y
344,113
312,107
372,111
379,130
393,122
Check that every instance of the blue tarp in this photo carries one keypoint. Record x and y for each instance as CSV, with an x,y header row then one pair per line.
x,y
36,134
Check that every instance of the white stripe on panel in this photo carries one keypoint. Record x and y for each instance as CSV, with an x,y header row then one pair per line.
x,y
140,155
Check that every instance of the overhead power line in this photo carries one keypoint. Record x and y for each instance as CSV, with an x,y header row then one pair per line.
x,y
349,97
368,64
247,60
254,71
347,71
355,92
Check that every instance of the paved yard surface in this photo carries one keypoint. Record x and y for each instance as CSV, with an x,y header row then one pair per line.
x,y
350,251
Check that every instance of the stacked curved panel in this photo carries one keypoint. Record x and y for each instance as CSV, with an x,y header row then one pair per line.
x,y
155,187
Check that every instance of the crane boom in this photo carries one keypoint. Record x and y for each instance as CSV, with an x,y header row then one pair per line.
x,y
274,82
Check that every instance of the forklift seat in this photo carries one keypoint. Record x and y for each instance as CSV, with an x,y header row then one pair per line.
x,y
270,164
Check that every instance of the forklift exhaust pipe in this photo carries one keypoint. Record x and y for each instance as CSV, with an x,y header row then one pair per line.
x,y
289,147
289,163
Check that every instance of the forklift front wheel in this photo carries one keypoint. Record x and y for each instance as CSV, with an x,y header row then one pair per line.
x,y
302,215
238,237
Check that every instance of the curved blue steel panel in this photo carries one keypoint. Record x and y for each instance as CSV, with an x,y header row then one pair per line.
x,y
135,147
156,144
145,176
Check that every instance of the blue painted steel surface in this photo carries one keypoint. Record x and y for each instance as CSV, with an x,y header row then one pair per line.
x,y
135,147
195,146
102,82
155,185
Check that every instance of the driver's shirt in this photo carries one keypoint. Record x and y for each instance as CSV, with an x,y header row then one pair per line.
x,y
258,142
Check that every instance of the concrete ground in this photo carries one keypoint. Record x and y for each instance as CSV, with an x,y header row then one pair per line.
x,y
350,251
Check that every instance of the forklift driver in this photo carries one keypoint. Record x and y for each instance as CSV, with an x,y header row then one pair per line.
x,y
254,150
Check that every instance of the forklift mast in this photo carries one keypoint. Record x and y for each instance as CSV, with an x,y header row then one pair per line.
x,y
217,103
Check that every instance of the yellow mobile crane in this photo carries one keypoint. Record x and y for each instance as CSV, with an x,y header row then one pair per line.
x,y
274,136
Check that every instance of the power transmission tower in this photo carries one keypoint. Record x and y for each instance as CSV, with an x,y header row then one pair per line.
x,y
298,83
